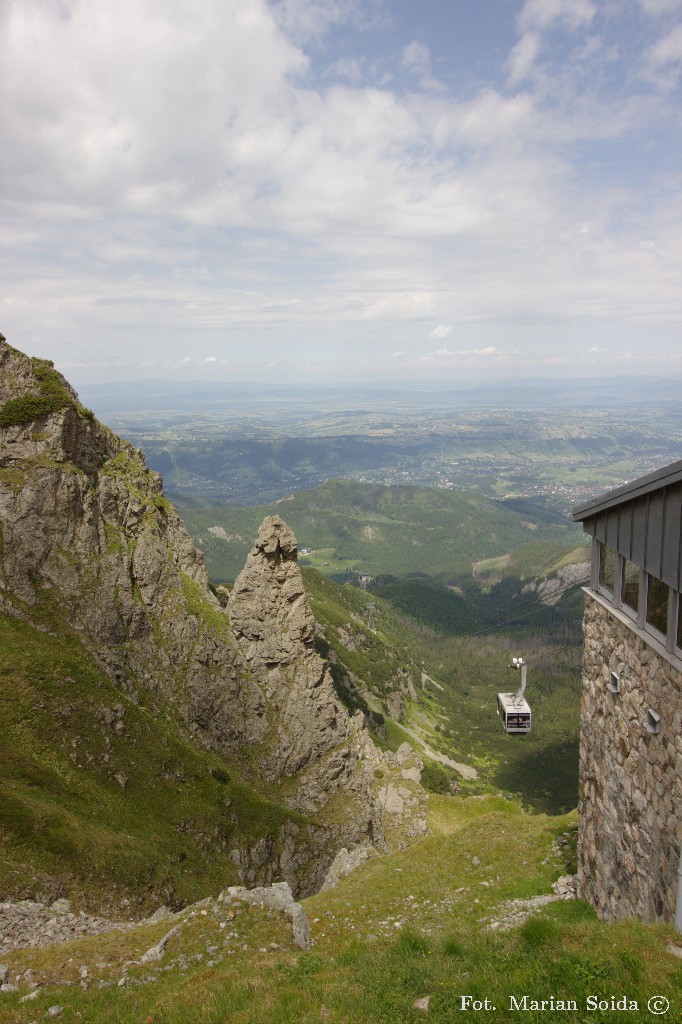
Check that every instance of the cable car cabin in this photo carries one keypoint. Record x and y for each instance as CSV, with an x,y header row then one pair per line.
x,y
515,713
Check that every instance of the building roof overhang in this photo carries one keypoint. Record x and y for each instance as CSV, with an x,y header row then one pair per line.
x,y
664,477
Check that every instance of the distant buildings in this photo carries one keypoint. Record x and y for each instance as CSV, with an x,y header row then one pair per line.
x,y
630,834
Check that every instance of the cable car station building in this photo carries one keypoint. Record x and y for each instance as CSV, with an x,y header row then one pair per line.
x,y
630,833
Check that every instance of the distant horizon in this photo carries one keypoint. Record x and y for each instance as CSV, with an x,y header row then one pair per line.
x,y
398,383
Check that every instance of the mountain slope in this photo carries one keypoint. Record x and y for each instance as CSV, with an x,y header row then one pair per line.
x,y
94,554
376,529
102,799
408,926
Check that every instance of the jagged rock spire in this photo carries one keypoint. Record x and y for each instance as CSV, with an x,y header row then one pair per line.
x,y
268,607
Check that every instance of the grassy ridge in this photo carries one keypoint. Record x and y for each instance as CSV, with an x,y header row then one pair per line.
x,y
52,396
376,529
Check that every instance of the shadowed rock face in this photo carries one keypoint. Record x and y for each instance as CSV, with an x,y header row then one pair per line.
x,y
88,541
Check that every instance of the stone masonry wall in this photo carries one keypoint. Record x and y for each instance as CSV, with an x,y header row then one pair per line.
x,y
630,781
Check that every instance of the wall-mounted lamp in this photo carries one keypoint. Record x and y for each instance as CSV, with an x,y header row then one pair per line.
x,y
653,722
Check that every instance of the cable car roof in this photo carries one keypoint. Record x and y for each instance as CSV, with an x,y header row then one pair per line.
x,y
508,702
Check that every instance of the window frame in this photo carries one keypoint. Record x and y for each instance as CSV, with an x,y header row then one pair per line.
x,y
634,613
662,637
601,586
671,640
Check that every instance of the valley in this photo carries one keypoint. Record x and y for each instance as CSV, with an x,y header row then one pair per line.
x,y
238,698
554,443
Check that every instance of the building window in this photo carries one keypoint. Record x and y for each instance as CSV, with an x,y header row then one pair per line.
x,y
657,605
608,560
630,587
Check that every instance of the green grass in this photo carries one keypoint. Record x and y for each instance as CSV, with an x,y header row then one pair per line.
x,y
410,925
197,605
460,718
86,806
327,561
51,397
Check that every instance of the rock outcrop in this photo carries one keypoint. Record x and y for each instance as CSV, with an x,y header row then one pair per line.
x,y
368,793
277,897
551,589
275,629
89,543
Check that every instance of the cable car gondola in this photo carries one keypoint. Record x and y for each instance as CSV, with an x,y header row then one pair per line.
x,y
513,708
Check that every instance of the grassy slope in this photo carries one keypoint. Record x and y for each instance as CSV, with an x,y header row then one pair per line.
x,y
405,926
541,768
138,812
380,657
457,715
376,529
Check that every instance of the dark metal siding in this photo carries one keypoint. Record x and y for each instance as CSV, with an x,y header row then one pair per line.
x,y
655,521
625,532
646,530
672,540
639,534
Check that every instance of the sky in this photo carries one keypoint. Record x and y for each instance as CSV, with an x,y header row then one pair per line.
x,y
342,190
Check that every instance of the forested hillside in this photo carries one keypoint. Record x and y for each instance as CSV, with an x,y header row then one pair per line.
x,y
343,526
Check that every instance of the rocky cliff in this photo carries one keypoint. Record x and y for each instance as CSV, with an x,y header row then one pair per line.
x,y
89,544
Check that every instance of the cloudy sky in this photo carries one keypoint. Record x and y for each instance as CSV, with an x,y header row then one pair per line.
x,y
337,190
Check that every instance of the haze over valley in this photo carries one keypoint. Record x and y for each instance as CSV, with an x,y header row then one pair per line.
x,y
555,442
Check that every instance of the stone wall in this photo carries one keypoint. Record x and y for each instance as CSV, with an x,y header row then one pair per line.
x,y
630,780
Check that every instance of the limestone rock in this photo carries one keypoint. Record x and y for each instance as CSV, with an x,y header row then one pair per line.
x,y
268,607
344,863
86,533
156,952
277,897
274,628
566,887
395,706
551,589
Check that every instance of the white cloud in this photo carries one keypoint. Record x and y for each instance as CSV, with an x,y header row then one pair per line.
x,y
352,69
173,170
130,103
541,14
535,21
667,50
523,57
308,21
658,7
417,59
